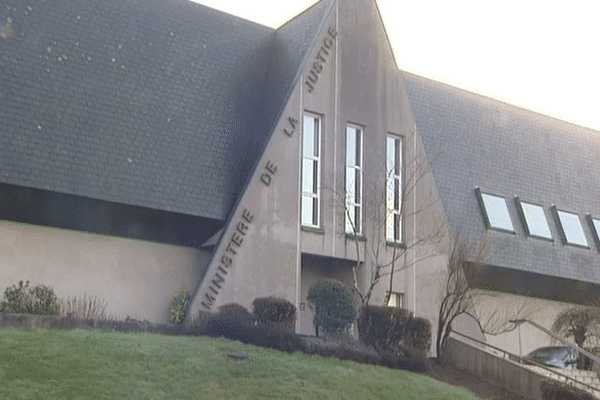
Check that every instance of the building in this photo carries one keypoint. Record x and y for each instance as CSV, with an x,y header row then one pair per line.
x,y
150,146
523,183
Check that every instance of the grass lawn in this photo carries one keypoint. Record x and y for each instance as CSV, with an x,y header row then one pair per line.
x,y
57,364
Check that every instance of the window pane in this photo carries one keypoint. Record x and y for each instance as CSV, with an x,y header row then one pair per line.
x,y
315,176
572,228
358,146
307,176
357,186
350,185
350,146
398,156
396,194
349,221
389,228
390,157
307,210
316,138
536,220
309,137
497,212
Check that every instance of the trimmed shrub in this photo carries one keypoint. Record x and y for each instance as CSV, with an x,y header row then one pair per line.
x,y
418,334
393,330
274,313
552,390
334,307
237,312
23,299
178,306
410,361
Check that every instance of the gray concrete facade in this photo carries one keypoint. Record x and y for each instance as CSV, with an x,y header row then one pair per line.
x,y
349,78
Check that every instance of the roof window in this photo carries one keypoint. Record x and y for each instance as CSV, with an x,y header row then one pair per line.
x,y
571,228
595,224
495,212
534,219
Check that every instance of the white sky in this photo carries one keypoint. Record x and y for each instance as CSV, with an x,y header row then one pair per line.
x,y
541,55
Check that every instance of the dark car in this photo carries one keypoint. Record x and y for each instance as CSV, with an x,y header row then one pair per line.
x,y
558,357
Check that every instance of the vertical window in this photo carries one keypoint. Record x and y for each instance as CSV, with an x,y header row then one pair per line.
x,y
571,228
354,180
311,167
535,222
394,299
495,212
393,218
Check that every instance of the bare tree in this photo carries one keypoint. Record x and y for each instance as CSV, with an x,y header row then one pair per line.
x,y
460,297
457,296
373,249
496,320
582,323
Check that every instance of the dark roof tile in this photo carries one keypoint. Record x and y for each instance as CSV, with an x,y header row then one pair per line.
x,y
145,102
474,141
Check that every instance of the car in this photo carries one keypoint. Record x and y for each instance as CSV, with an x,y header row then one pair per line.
x,y
557,357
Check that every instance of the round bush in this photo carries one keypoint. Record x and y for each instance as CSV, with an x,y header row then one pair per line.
x,y
334,307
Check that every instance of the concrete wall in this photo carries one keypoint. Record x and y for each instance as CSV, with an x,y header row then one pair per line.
x,y
362,86
359,84
136,278
498,371
496,309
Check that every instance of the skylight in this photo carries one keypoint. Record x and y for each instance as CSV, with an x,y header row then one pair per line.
x,y
571,228
496,212
596,228
536,223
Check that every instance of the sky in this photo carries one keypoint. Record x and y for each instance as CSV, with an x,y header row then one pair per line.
x,y
539,55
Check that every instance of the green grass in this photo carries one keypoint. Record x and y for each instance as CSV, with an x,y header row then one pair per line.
x,y
56,364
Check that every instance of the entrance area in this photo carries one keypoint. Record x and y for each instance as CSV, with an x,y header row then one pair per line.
x,y
316,269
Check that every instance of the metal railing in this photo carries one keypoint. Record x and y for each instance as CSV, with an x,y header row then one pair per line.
x,y
518,360
557,337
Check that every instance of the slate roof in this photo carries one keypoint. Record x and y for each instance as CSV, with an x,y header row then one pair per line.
x,y
473,141
157,103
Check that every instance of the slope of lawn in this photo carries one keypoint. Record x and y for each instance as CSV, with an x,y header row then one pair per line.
x,y
56,364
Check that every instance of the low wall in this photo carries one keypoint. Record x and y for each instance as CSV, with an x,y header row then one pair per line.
x,y
493,369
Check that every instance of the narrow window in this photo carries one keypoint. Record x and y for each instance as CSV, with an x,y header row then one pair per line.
x,y
495,212
311,167
393,219
394,299
571,228
534,219
354,180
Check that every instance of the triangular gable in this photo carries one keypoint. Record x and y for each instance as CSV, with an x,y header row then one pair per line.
x,y
265,222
